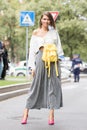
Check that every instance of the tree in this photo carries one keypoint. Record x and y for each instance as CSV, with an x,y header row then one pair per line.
x,y
71,24
71,27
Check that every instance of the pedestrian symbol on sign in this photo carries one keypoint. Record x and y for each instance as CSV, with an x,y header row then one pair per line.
x,y
27,20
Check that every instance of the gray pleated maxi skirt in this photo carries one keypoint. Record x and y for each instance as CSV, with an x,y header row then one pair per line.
x,y
45,92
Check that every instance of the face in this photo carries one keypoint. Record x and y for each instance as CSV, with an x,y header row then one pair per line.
x,y
45,21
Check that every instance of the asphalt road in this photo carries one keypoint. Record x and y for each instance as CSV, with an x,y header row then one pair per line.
x,y
72,116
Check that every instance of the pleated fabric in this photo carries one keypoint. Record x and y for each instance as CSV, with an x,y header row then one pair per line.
x,y
45,92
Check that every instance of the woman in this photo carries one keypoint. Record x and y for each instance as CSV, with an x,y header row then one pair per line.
x,y
45,92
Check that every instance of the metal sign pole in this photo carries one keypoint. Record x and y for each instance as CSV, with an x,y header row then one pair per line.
x,y
27,18
27,52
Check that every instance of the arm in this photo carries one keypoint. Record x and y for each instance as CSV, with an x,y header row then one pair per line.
x,y
58,43
32,54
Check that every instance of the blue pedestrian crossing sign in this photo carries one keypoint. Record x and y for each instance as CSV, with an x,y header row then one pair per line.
x,y
27,18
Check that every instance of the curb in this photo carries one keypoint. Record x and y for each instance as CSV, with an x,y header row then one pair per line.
x,y
14,87
12,94
7,92
11,91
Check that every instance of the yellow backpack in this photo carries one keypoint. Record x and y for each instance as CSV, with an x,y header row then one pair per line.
x,y
50,55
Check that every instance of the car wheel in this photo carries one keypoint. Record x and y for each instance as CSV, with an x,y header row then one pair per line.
x,y
20,74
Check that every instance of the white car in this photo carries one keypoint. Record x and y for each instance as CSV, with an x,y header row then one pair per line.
x,y
21,69
65,73
66,64
18,70
11,69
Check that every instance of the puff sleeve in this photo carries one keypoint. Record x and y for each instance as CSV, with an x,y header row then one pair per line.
x,y
59,46
32,53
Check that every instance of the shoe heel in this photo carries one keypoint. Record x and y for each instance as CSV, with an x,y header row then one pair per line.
x,y
24,122
51,122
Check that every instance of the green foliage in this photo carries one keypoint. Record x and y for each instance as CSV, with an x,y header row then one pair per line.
x,y
72,29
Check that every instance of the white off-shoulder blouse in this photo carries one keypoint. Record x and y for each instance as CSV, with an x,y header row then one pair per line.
x,y
36,42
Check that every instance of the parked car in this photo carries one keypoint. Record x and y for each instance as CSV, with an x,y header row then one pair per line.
x,y
11,69
66,64
84,68
65,73
18,70
21,70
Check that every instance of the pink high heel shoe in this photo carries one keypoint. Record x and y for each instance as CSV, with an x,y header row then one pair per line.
x,y
24,121
51,122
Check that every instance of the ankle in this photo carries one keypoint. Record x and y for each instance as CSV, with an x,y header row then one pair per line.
x,y
25,115
51,115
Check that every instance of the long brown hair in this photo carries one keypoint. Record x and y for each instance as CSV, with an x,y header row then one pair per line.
x,y
48,14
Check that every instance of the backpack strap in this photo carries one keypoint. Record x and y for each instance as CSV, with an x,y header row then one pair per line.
x,y
56,68
47,65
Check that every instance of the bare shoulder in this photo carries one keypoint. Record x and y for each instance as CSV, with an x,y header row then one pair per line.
x,y
35,32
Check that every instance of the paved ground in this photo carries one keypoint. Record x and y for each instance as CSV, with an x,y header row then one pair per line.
x,y
73,115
